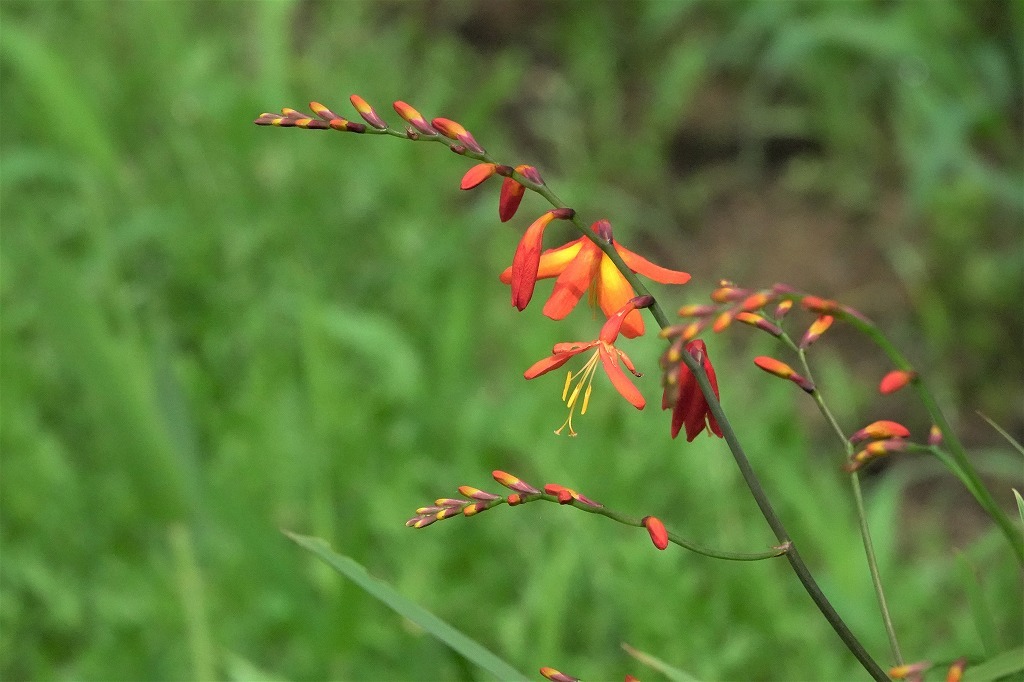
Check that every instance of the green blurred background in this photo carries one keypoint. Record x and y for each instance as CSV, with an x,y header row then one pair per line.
x,y
212,331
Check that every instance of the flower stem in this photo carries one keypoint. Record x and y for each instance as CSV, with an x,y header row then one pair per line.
x,y
858,497
746,470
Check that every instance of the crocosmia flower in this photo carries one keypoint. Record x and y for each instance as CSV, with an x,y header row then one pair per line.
x,y
580,266
683,395
606,354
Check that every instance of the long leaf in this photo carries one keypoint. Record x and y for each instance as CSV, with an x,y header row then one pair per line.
x,y
448,635
1006,663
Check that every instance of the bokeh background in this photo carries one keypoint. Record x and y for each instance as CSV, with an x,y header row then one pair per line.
x,y
212,331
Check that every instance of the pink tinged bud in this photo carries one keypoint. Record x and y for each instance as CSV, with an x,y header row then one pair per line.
x,y
759,322
322,111
874,450
477,507
450,502
727,293
477,494
817,328
659,536
824,306
697,310
420,521
513,483
641,302
783,371
782,308
756,301
477,174
448,512
723,320
895,380
414,118
909,671
531,174
880,430
455,131
603,229
934,436
367,112
556,675
956,671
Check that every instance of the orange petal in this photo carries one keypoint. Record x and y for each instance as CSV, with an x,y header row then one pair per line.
x,y
574,281
613,292
552,362
477,174
619,379
648,269
527,260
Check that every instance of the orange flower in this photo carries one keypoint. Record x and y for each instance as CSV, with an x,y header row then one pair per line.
x,y
606,353
581,266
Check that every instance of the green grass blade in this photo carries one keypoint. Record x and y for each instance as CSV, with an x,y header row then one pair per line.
x,y
1003,665
441,630
1002,432
670,672
1020,504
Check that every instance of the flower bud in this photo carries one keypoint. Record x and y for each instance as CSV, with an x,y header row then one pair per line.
x,y
654,526
895,380
783,371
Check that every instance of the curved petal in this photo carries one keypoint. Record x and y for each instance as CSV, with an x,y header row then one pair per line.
x,y
574,280
648,269
614,292
552,261
549,363
574,346
619,379
527,260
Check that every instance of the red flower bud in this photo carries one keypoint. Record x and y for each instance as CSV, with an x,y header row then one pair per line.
x,y
895,380
654,526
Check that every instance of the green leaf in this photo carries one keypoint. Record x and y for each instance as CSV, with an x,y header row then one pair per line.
x,y
674,674
1006,663
1002,432
1020,504
448,635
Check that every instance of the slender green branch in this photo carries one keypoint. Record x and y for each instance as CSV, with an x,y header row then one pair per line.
x,y
858,497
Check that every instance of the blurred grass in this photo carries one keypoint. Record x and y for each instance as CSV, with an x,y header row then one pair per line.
x,y
211,330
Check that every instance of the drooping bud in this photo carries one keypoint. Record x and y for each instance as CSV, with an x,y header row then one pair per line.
x,y
556,675
477,174
783,371
759,322
414,118
880,430
367,112
420,521
603,229
654,526
895,380
511,196
513,483
817,328
934,435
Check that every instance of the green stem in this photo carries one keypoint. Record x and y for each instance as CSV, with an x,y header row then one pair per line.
x,y
673,537
858,497
963,468
746,470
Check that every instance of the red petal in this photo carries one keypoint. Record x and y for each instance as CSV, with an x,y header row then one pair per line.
x,y
508,202
527,260
549,363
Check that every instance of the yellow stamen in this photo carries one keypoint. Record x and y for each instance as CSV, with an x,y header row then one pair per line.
x,y
584,382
